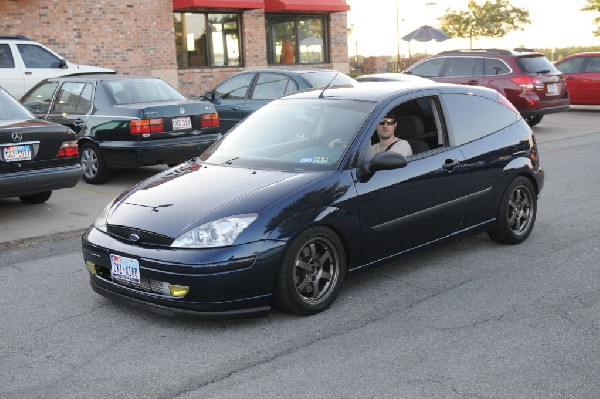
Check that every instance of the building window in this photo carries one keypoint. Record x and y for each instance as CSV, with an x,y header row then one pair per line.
x,y
297,39
207,40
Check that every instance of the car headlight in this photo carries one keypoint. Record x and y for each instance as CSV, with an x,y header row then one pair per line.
x,y
218,233
101,219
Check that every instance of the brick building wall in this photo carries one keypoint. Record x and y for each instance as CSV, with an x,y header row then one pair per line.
x,y
138,37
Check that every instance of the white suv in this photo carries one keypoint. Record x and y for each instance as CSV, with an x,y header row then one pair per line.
x,y
24,62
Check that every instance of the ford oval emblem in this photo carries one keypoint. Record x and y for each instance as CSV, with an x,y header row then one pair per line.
x,y
134,237
182,110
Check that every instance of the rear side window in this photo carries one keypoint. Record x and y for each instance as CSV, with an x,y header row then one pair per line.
x,y
464,66
495,67
473,117
571,66
429,68
537,64
6,58
593,64
270,86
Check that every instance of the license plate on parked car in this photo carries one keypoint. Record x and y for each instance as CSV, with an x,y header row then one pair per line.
x,y
182,123
124,268
14,153
552,88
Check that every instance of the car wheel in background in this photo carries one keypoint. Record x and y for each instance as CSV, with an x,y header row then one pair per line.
x,y
312,271
95,170
38,198
533,120
516,213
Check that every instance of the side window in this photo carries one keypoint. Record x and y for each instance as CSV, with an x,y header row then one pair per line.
x,y
6,58
572,65
270,86
73,97
593,64
462,66
235,88
494,67
429,68
38,57
473,117
38,101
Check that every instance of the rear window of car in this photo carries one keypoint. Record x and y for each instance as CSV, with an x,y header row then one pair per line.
x,y
536,64
141,91
331,78
11,109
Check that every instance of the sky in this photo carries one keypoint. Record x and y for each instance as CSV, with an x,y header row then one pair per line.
x,y
374,26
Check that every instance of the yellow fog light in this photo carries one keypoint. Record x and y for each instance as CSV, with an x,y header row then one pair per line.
x,y
91,267
178,290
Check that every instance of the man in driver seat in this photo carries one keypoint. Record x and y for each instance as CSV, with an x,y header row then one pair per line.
x,y
387,139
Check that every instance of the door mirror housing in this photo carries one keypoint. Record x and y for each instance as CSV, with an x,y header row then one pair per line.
x,y
387,160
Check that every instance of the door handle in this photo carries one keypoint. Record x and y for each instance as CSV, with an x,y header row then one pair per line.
x,y
236,108
78,122
27,73
473,82
450,164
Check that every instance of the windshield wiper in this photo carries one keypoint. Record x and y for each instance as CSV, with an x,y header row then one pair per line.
x,y
228,162
544,71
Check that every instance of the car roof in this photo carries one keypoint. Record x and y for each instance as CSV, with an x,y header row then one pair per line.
x,y
494,52
98,76
378,92
289,71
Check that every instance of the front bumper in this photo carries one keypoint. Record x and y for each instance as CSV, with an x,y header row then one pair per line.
x,y
224,282
28,182
131,154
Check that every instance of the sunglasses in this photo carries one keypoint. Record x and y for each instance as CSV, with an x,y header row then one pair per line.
x,y
388,122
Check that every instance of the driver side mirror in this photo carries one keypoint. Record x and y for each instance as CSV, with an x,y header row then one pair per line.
x,y
209,95
387,160
62,63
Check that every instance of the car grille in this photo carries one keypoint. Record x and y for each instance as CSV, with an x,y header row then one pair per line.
x,y
145,284
145,237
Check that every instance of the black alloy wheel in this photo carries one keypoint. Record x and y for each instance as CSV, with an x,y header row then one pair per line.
x,y
516,213
38,198
95,170
533,120
311,274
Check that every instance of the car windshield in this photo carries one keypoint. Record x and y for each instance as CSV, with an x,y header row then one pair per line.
x,y
10,108
292,134
324,78
537,64
149,90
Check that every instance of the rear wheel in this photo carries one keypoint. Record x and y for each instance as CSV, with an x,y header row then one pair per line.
x,y
312,271
38,198
95,170
533,120
516,213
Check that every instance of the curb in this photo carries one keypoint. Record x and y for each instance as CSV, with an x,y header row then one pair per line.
x,y
28,243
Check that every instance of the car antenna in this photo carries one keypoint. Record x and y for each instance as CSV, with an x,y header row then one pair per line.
x,y
328,84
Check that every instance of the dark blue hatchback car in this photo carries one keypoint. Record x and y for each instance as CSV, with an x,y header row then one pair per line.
x,y
282,207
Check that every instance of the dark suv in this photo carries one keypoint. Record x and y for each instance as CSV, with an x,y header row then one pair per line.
x,y
526,78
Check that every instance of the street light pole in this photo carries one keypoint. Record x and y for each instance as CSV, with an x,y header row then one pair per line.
x,y
398,35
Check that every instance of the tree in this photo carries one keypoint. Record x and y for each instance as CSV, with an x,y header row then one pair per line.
x,y
593,5
491,19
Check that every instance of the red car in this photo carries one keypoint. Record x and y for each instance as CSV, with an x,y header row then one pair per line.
x,y
526,78
582,73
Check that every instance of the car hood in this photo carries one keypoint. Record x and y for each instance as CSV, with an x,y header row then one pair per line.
x,y
193,193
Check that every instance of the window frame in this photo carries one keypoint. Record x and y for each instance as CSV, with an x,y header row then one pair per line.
x,y
210,58
271,42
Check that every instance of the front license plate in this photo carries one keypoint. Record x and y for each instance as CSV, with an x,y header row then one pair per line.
x,y
182,123
552,89
16,153
125,268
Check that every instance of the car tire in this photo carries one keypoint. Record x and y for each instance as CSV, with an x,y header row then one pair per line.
x,y
94,167
533,120
311,273
516,213
38,198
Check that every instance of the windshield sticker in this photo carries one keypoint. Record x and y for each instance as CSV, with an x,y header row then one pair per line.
x,y
314,160
306,160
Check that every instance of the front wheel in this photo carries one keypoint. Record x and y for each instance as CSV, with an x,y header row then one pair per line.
x,y
516,213
311,273
94,167
533,120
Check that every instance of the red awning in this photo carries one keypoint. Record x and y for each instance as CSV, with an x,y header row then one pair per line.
x,y
306,5
190,4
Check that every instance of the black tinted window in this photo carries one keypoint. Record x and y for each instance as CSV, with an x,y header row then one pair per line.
x,y
571,66
6,58
37,57
494,66
537,64
472,117
464,66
